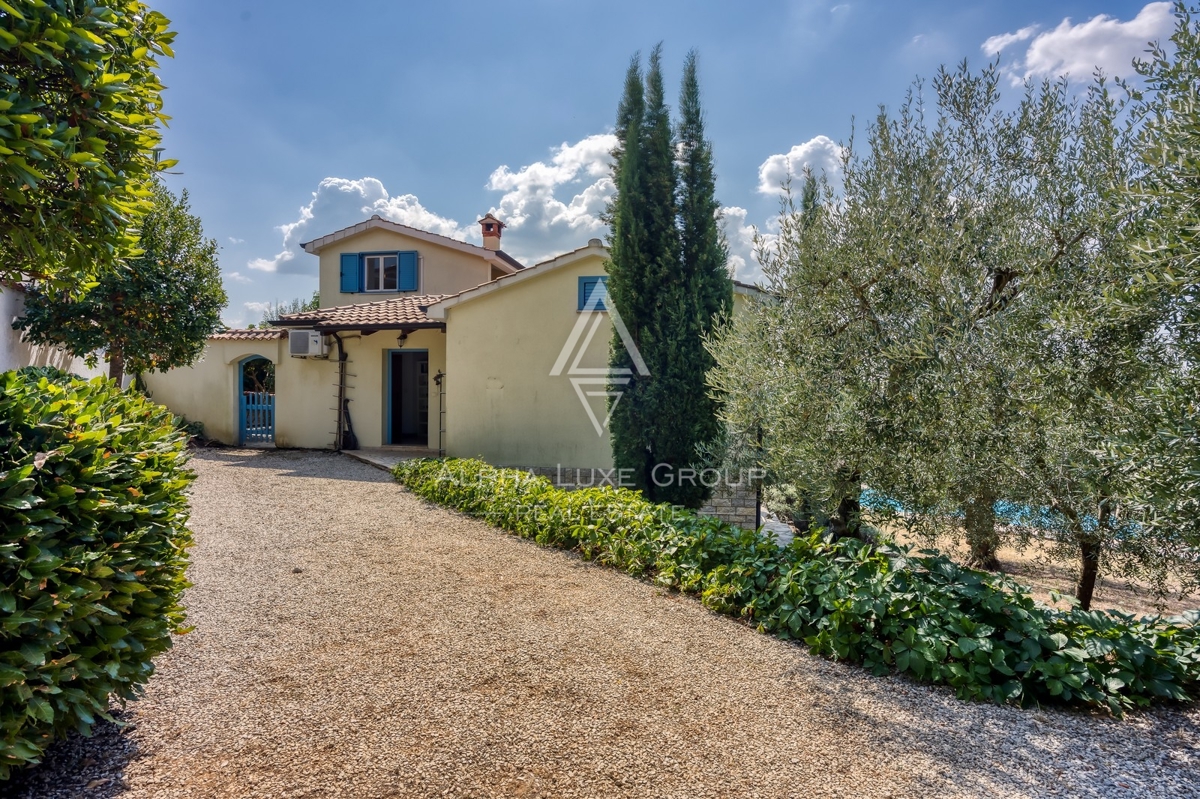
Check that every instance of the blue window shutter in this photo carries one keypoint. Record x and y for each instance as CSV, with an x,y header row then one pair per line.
x,y
588,286
408,271
351,273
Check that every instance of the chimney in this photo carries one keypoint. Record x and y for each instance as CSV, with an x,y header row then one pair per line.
x,y
491,227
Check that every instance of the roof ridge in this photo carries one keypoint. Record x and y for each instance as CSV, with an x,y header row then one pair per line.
x,y
305,314
247,333
484,251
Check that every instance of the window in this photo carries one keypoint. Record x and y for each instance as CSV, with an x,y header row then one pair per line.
x,y
381,272
593,293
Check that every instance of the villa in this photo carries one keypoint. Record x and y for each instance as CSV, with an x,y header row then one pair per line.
x,y
423,341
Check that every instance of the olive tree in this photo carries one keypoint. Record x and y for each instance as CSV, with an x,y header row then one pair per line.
x,y
1163,455
934,334
876,351
1083,376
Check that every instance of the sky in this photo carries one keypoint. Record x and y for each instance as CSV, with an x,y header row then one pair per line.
x,y
294,119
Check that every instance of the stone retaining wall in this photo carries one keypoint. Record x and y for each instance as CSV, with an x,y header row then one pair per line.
x,y
734,504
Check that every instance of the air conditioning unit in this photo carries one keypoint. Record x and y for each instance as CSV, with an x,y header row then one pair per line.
x,y
306,344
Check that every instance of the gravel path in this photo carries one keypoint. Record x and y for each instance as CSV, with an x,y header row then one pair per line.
x,y
353,641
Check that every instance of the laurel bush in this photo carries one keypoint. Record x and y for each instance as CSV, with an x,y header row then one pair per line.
x,y
886,607
93,548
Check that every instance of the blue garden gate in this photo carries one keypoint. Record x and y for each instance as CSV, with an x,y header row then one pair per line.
x,y
258,417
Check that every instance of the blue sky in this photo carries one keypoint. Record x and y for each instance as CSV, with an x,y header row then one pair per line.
x,y
293,119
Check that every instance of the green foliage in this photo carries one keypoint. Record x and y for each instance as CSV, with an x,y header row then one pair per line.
x,y
80,110
888,608
667,282
275,310
705,256
1166,447
937,332
258,374
153,314
92,552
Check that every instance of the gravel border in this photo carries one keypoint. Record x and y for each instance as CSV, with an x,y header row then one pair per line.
x,y
352,640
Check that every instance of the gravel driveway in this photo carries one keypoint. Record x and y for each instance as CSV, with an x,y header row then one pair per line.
x,y
352,640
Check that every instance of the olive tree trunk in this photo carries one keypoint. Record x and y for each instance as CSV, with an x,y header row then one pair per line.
x,y
980,526
847,522
1089,569
1090,549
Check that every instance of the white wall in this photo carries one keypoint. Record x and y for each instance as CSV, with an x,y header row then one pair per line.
x,y
15,353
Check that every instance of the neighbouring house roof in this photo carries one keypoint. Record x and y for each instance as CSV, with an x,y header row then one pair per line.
x,y
248,335
394,313
499,258
513,262
749,290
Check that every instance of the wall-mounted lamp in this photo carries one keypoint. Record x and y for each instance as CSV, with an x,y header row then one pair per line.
x,y
400,339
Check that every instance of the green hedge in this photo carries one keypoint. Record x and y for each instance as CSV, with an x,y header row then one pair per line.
x,y
888,608
92,552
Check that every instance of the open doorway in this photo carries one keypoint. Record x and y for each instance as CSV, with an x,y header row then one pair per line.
x,y
408,397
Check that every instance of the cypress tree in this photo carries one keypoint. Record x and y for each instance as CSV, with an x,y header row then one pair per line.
x,y
667,300
643,272
625,279
704,259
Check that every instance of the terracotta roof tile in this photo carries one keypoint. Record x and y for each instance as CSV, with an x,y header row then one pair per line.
x,y
248,335
397,312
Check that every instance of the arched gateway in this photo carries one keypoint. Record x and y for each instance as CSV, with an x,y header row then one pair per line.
x,y
256,400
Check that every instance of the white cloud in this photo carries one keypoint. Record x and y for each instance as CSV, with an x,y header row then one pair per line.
x,y
341,202
820,153
233,240
255,310
1077,50
740,238
997,44
740,235
237,277
551,207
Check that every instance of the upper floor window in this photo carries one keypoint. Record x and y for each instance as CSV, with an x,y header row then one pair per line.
x,y
593,293
381,272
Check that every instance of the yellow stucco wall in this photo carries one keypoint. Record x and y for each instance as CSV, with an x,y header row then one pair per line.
x,y
440,270
305,397
367,389
208,391
305,388
502,403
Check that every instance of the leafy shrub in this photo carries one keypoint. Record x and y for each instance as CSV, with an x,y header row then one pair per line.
x,y
888,608
92,552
